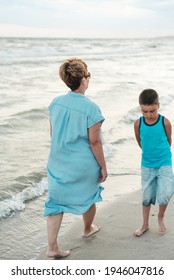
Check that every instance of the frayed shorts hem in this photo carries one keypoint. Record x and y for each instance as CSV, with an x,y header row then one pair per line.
x,y
157,184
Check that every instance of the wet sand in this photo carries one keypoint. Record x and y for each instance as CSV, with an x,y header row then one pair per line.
x,y
119,219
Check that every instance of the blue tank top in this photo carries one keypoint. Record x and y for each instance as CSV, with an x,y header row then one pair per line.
x,y
156,151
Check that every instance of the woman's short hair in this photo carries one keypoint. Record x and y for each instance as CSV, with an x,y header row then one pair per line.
x,y
72,71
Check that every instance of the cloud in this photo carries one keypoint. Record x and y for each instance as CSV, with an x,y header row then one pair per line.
x,y
87,18
9,30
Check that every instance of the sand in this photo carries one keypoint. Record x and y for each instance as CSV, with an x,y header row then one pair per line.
x,y
119,218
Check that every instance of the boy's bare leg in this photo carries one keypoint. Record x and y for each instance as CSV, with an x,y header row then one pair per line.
x,y
162,226
145,226
88,218
53,226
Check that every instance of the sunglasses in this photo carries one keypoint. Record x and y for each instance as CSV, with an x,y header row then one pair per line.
x,y
88,75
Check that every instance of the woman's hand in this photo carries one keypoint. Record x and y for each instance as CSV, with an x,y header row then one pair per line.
x,y
103,175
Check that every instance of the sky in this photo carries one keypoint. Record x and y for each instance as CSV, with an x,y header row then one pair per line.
x,y
86,18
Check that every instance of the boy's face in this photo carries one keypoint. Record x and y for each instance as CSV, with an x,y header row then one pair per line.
x,y
150,112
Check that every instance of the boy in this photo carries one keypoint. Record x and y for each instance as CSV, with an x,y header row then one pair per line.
x,y
153,134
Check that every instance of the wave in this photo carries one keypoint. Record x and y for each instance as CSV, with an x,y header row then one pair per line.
x,y
17,202
33,113
124,174
122,140
135,113
166,100
131,116
27,48
38,48
108,150
23,119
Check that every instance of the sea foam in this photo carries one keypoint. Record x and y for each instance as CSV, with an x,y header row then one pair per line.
x,y
17,202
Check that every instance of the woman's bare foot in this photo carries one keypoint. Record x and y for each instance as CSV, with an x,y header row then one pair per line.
x,y
162,226
93,229
140,231
57,254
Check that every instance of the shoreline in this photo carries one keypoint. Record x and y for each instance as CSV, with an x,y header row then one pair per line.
x,y
119,219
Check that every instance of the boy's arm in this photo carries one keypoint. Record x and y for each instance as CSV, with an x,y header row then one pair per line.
x,y
136,130
168,128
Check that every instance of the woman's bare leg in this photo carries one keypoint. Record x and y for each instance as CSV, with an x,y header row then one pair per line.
x,y
53,227
88,218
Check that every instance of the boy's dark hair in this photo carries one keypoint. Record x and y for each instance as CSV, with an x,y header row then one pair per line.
x,y
148,97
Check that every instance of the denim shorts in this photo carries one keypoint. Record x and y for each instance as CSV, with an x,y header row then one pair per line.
x,y
157,183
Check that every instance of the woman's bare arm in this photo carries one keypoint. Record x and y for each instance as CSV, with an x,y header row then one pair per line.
x,y
97,149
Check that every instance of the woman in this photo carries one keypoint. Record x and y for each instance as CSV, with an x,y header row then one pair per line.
x,y
76,164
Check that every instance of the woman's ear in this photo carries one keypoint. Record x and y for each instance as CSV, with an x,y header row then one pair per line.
x,y
83,81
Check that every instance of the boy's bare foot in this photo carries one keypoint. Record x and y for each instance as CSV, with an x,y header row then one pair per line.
x,y
57,254
140,231
162,226
94,229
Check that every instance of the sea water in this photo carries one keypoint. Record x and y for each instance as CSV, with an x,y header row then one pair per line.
x,y
120,70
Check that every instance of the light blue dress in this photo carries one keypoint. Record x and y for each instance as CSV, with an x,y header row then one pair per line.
x,y
72,169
